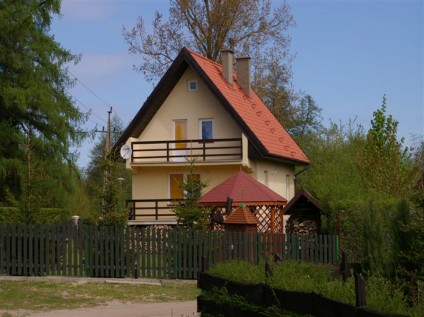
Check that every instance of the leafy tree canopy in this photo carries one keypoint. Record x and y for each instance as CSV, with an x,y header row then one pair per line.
x,y
386,163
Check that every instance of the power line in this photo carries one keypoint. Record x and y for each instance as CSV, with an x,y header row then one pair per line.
x,y
85,86
91,91
90,111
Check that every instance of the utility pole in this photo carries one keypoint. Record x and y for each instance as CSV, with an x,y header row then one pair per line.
x,y
108,138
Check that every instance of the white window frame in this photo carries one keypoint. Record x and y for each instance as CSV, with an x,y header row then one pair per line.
x,y
201,128
189,83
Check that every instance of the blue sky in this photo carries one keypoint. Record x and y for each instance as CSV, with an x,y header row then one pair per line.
x,y
348,55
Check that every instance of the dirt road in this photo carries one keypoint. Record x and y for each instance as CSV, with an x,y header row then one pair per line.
x,y
118,309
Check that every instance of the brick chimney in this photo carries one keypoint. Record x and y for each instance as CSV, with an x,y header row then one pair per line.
x,y
243,73
227,65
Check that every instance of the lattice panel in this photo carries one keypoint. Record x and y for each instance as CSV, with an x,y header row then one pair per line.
x,y
262,212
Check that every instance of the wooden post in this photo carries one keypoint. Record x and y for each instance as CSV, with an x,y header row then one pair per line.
x,y
229,205
205,264
339,228
277,257
268,270
344,267
273,219
360,291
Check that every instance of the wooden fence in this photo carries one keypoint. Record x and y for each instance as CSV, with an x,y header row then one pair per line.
x,y
91,251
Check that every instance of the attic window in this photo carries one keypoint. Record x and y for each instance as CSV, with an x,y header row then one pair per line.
x,y
192,85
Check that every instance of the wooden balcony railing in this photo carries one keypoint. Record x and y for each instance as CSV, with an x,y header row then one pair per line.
x,y
151,210
180,150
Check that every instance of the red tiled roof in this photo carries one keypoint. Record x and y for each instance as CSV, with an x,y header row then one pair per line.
x,y
242,188
263,124
241,215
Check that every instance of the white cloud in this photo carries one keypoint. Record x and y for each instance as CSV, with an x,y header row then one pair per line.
x,y
91,10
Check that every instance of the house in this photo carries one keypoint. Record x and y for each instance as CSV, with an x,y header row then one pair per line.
x,y
205,111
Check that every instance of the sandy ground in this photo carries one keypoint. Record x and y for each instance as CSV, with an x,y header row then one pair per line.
x,y
114,308
117,309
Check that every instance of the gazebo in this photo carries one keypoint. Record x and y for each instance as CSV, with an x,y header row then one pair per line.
x,y
264,203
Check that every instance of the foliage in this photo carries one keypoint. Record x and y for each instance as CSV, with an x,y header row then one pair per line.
x,y
375,239
239,271
43,216
307,120
310,277
333,173
408,249
222,297
208,27
189,212
107,182
363,176
39,122
386,163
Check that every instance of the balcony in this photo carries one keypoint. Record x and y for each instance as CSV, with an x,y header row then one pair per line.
x,y
152,211
179,151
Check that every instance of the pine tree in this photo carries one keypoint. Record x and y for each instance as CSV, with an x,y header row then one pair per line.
x,y
34,105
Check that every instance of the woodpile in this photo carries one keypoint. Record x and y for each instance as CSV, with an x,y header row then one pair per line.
x,y
303,223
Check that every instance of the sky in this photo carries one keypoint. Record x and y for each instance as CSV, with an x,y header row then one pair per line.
x,y
349,54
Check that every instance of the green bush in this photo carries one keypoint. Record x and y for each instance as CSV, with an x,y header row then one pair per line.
x,y
239,271
305,277
42,215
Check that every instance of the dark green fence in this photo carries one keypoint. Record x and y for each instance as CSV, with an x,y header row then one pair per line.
x,y
90,251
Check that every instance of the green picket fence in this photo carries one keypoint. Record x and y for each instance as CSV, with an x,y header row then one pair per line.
x,y
91,251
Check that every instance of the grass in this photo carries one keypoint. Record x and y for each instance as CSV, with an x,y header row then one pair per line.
x,y
53,295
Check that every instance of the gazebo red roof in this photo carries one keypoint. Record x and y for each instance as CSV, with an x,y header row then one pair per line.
x,y
242,188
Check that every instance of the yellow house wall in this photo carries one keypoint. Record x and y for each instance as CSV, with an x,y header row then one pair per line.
x,y
278,177
191,106
152,182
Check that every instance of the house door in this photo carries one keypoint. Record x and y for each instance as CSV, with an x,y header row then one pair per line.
x,y
175,190
180,133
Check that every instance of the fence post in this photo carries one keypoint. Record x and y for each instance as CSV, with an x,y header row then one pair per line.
x,y
360,291
344,267
268,271
205,264
135,269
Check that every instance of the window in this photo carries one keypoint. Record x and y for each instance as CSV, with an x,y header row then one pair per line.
x,y
192,85
206,129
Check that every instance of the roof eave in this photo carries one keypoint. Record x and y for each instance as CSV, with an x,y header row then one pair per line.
x,y
279,158
155,99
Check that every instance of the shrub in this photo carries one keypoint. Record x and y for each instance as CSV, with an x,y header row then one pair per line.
x,y
41,216
381,294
